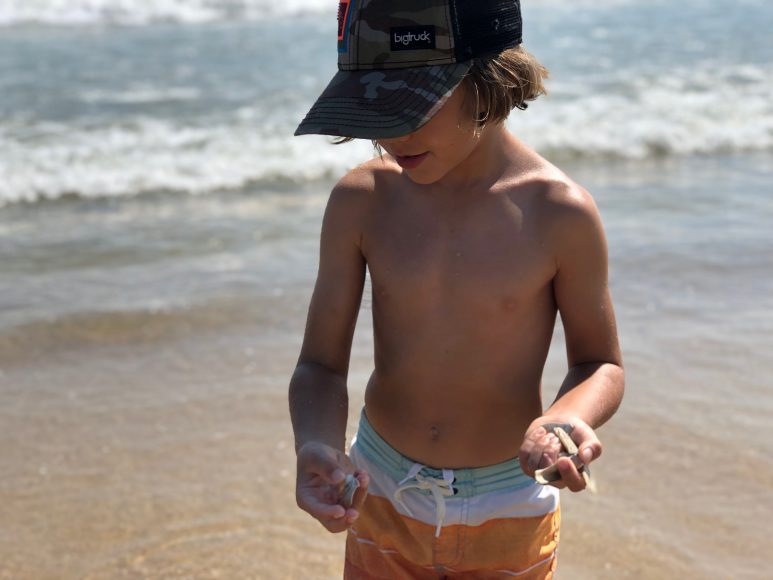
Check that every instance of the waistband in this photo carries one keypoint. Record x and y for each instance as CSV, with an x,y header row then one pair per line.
x,y
467,482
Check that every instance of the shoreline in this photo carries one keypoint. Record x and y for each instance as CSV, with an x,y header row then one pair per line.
x,y
184,468
143,386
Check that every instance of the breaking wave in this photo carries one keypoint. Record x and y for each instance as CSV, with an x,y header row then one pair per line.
x,y
685,112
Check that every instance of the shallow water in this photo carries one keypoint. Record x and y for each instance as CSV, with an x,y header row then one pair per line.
x,y
159,103
143,386
158,245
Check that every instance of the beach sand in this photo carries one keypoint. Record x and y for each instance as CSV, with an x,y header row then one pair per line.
x,y
198,482
158,243
156,442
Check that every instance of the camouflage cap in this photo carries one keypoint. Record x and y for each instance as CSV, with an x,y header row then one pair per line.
x,y
399,60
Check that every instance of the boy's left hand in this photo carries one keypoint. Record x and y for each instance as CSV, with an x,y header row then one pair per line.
x,y
541,448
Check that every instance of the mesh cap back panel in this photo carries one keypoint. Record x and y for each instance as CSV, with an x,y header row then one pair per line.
x,y
485,28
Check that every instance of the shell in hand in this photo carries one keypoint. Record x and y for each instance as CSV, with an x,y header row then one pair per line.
x,y
348,488
551,473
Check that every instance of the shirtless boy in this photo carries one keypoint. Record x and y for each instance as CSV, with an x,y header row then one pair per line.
x,y
473,243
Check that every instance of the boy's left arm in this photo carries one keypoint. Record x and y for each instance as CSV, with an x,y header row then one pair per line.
x,y
593,387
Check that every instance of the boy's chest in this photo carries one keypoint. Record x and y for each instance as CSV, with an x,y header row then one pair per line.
x,y
491,258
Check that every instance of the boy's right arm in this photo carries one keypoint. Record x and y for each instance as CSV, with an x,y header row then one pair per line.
x,y
318,394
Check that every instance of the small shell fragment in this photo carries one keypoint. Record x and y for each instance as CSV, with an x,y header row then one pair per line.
x,y
349,487
566,441
550,473
547,475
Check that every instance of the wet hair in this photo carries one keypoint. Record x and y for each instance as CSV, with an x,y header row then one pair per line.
x,y
496,85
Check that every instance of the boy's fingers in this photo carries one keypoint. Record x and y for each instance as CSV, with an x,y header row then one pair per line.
x,y
340,524
536,443
587,442
319,509
335,526
589,452
541,451
535,435
323,463
328,470
569,474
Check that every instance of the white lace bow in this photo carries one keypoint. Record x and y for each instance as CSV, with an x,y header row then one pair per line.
x,y
440,488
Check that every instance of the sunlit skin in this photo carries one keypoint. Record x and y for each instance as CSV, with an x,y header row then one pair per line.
x,y
474,243
452,147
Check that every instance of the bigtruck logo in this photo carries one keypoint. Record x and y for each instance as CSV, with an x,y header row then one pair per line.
x,y
412,37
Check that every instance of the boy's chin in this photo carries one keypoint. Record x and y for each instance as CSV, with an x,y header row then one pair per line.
x,y
421,178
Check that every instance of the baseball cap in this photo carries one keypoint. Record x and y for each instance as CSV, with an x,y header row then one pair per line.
x,y
399,60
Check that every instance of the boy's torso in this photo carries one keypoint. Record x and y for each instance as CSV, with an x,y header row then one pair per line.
x,y
463,313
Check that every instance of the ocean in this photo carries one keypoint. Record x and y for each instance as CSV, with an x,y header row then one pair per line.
x,y
158,242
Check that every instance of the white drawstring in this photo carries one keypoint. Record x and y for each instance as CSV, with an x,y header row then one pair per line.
x,y
440,488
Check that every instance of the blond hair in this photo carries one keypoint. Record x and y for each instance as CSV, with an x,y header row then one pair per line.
x,y
499,84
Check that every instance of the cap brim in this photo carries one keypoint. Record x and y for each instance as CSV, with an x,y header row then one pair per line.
x,y
381,104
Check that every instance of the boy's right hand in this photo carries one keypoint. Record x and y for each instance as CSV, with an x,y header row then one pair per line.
x,y
321,472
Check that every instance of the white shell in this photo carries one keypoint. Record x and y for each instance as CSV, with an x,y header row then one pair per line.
x,y
550,473
350,485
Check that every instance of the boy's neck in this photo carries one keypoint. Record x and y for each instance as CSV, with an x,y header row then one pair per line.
x,y
483,167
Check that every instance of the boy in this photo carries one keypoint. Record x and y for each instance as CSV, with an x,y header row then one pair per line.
x,y
474,243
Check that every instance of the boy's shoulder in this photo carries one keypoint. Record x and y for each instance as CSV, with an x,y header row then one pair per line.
x,y
357,183
562,197
351,199
562,211
554,204
548,190
356,190
364,177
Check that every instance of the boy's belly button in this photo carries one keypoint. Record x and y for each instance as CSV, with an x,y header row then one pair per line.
x,y
434,433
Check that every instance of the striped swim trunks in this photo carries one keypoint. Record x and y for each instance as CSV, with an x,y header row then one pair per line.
x,y
420,522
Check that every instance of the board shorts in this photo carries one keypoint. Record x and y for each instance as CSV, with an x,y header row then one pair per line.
x,y
419,522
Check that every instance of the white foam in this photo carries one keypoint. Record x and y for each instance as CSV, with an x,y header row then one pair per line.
x,y
698,111
704,110
140,94
78,12
152,155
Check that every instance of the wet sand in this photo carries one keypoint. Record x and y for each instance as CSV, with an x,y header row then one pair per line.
x,y
185,469
156,443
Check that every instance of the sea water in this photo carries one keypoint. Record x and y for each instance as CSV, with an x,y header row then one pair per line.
x,y
158,240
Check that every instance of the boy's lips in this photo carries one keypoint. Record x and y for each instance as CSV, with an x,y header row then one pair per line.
x,y
410,161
